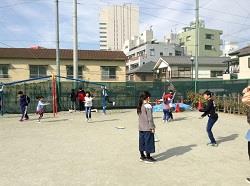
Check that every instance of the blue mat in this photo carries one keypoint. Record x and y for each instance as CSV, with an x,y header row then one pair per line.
x,y
159,108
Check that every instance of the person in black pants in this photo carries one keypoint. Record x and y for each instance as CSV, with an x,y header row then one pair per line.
x,y
24,102
209,111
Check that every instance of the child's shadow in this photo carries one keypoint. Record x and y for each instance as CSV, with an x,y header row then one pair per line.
x,y
227,138
176,151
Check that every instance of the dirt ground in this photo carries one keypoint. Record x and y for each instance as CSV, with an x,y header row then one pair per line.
x,y
67,150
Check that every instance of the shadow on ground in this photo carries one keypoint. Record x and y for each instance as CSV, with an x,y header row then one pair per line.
x,y
101,121
56,120
180,119
227,138
176,151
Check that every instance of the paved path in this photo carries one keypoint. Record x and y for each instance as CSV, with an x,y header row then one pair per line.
x,y
67,150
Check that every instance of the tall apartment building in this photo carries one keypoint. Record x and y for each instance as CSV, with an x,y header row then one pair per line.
x,y
118,23
209,40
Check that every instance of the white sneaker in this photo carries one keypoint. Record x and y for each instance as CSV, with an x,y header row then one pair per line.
x,y
113,103
248,180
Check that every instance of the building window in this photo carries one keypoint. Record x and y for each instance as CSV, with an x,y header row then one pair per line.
x,y
188,38
216,73
38,71
70,73
143,78
108,73
249,62
178,53
103,36
208,47
161,53
152,52
170,54
209,36
4,69
133,66
182,72
103,23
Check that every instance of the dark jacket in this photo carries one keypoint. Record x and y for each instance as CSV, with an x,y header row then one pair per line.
x,y
24,100
209,110
73,96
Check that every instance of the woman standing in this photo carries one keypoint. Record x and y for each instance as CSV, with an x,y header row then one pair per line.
x,y
146,128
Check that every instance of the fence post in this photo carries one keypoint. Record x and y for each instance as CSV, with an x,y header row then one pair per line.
x,y
238,104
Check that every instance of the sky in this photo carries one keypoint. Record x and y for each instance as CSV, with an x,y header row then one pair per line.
x,y
25,23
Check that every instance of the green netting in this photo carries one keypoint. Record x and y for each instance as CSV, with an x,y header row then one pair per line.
x,y
125,94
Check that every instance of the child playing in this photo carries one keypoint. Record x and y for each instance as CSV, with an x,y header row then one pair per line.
x,y
209,111
88,105
166,107
40,107
146,128
171,105
24,102
105,99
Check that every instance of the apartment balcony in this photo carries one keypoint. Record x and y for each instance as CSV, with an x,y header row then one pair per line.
x,y
136,59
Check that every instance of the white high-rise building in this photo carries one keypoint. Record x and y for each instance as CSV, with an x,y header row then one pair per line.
x,y
118,23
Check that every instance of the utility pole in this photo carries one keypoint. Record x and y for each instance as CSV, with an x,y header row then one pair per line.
x,y
57,53
196,44
57,41
75,43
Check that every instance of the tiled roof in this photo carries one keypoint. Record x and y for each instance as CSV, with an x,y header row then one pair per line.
x,y
241,52
41,53
185,60
146,68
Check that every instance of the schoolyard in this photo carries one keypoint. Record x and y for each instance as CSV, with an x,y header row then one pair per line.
x,y
66,150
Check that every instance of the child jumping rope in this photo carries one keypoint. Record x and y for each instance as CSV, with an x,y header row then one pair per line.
x,y
146,128
40,107
166,107
209,111
88,105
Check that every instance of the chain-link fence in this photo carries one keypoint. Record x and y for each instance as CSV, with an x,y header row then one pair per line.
x,y
125,94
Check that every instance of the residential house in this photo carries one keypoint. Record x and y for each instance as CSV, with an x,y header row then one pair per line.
x,y
183,68
238,66
93,65
179,68
142,73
